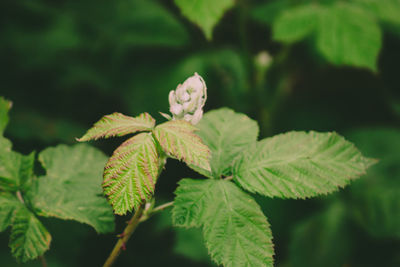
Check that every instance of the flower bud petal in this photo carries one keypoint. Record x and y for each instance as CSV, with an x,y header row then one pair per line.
x,y
176,109
197,116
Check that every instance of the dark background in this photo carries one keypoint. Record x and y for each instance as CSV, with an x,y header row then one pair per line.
x,y
64,64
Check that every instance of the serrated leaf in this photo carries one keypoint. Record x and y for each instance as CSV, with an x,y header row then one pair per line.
x,y
235,230
131,173
321,240
8,205
300,165
117,124
296,23
29,238
226,133
348,35
15,169
71,188
190,202
178,139
5,106
204,13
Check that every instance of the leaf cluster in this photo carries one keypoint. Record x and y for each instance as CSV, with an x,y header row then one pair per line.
x,y
69,190
132,171
291,165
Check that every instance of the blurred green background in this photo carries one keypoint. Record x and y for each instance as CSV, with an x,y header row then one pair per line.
x,y
65,64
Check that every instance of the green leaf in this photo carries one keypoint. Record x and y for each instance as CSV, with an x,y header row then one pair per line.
x,y
5,106
117,124
300,165
190,202
348,35
386,10
204,13
29,238
235,230
376,197
71,188
15,169
178,140
8,204
226,133
296,23
321,240
131,173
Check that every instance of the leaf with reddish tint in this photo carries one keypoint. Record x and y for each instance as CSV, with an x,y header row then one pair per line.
x,y
178,140
117,124
131,173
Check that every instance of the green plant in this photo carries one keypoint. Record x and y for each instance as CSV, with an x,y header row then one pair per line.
x,y
70,190
226,151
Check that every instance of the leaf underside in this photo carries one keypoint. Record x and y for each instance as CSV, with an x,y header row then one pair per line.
x,y
131,173
178,140
235,230
300,165
117,124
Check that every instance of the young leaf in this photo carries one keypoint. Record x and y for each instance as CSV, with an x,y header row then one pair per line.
x,y
29,238
296,23
205,13
348,35
5,106
8,204
300,165
220,131
117,124
131,173
235,230
178,140
71,188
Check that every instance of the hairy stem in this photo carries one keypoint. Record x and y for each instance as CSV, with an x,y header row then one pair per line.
x,y
124,237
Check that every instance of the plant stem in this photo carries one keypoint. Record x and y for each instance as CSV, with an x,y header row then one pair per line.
x,y
124,237
228,178
19,196
155,210
43,261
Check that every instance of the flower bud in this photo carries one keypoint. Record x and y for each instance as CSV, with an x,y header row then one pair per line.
x,y
187,101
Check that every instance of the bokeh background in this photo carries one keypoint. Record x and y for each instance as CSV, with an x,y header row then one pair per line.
x,y
65,64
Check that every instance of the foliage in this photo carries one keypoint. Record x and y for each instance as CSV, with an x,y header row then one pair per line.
x,y
325,238
131,173
290,65
69,190
344,33
295,165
